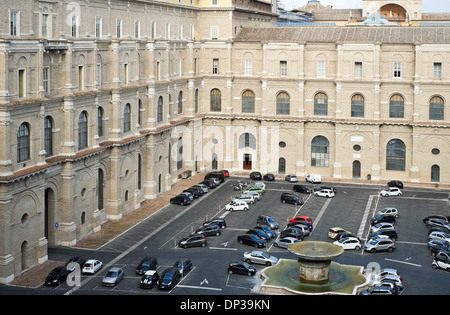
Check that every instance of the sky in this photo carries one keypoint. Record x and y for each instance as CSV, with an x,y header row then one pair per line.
x,y
427,5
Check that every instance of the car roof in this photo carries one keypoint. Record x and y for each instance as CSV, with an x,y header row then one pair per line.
x,y
150,272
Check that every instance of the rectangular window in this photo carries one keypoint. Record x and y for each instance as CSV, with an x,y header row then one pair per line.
x,y
80,78
21,83
98,75
168,30
137,29
74,26
125,73
214,2
215,66
44,26
283,68
397,69
248,67
158,70
118,28
153,29
321,69
98,27
437,70
358,70
46,79
14,23
214,32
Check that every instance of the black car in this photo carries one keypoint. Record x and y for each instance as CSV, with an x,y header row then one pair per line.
x,y
149,279
194,240
266,229
252,240
184,266
147,263
80,260
382,218
241,268
302,189
269,177
169,278
292,232
57,276
217,175
291,198
217,221
261,234
395,183
392,234
209,230
209,183
194,192
255,175
180,200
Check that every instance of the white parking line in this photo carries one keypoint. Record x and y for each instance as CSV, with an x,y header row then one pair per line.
x,y
198,287
403,262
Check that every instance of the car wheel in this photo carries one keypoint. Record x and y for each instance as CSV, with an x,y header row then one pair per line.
x,y
256,245
434,266
218,233
357,248
203,244
245,209
249,273
241,242
231,209
248,261
268,263
276,245
230,272
390,249
283,201
373,250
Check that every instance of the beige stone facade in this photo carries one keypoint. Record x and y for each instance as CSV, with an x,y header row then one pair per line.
x,y
104,103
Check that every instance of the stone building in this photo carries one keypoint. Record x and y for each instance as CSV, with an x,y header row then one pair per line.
x,y
104,103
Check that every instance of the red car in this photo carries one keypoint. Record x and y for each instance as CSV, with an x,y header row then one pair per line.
x,y
225,173
301,218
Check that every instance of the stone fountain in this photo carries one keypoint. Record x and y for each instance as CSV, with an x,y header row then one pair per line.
x,y
313,273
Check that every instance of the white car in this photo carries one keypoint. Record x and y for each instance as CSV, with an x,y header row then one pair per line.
x,y
349,243
314,178
259,257
255,194
248,198
91,266
285,242
260,184
437,235
441,264
376,276
324,193
237,205
383,226
389,211
391,191
291,178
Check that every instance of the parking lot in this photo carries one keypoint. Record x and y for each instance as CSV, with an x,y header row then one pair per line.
x,y
351,208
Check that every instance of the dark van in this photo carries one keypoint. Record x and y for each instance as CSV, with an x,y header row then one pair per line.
x,y
218,175
181,200
292,199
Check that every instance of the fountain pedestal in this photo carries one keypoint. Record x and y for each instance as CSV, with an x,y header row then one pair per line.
x,y
316,272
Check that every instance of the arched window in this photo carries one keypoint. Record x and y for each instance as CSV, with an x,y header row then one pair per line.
x,y
127,118
160,109
216,100
248,102
180,102
180,153
100,122
320,155
435,173
283,103
436,108
23,143
321,104
247,140
48,136
82,131
397,106
395,155
357,106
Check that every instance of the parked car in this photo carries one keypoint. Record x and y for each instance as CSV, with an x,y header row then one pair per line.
x,y
438,245
209,230
195,192
439,236
436,216
259,257
378,290
241,268
113,277
383,272
303,226
382,218
256,195
180,199
260,190
237,205
291,198
188,194
266,230
193,240
291,178
149,279
438,223
91,266
248,198
261,234
335,231
209,183
382,226
302,189
184,266
169,278
443,254
328,193
441,263
391,191
285,242
255,176
251,240
292,232
333,189
225,173
389,211
147,263
349,243
217,175
203,187
389,277
395,183
57,276
314,178
269,177
379,244
392,234
216,221
267,220
80,260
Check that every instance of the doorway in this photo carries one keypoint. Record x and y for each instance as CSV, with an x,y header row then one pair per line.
x,y
356,169
247,161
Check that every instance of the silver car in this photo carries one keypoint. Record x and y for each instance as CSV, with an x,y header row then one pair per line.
x,y
113,276
388,211
379,244
259,257
285,242
383,226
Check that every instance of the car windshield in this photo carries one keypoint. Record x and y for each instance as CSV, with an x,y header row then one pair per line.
x,y
111,274
265,255
145,263
168,275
